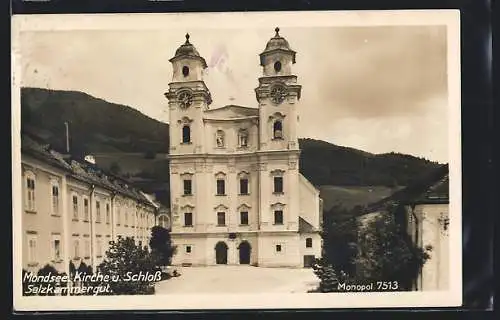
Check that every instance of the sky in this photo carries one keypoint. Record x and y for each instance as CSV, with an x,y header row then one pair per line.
x,y
378,89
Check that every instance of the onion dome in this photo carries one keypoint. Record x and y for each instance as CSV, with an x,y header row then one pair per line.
x,y
277,43
187,50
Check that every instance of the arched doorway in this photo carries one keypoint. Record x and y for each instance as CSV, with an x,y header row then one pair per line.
x,y
245,250
221,253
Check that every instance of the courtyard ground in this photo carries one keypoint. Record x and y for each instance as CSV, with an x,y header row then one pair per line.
x,y
239,279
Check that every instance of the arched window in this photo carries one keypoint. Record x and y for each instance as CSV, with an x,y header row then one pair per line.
x,y
277,129
185,71
186,134
309,242
219,138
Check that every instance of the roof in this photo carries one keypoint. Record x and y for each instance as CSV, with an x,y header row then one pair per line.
x,y
432,188
188,50
233,112
277,43
305,227
80,170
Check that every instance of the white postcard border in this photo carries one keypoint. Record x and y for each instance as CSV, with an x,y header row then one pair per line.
x,y
450,18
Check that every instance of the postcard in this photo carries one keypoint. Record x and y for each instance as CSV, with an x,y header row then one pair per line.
x,y
257,160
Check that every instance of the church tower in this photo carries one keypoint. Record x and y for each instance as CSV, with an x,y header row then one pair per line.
x,y
188,97
278,94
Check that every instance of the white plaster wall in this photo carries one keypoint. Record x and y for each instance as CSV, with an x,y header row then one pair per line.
x,y
435,273
288,257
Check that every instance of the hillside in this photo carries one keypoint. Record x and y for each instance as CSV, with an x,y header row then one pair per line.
x,y
132,143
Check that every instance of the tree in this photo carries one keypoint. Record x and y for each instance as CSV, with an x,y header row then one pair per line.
x,y
161,245
339,239
387,253
125,259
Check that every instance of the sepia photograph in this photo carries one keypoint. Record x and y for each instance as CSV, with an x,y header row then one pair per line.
x,y
267,160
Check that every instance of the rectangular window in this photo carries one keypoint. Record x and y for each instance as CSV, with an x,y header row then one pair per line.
x,y
188,219
221,187
86,209
278,248
243,186
32,249
76,249
108,215
118,216
87,248
56,248
188,187
55,199
244,218
188,249
278,216
30,186
97,212
278,184
98,248
75,207
126,218
221,218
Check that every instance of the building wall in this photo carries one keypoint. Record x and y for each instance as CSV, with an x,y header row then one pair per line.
x,y
434,274
82,237
40,223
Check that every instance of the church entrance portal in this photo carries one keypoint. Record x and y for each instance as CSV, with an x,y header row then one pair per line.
x,y
245,250
221,253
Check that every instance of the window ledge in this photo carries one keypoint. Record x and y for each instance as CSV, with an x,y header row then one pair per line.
x,y
86,258
74,219
55,215
99,256
244,194
33,264
221,195
187,195
278,193
85,221
277,139
30,211
243,225
57,261
186,143
221,225
188,226
76,258
278,224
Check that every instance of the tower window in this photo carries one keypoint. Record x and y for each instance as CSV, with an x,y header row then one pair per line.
x,y
278,216
278,184
277,66
243,186
221,218
185,71
187,187
188,219
278,248
221,187
244,218
278,130
186,134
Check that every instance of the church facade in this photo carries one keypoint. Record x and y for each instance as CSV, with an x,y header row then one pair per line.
x,y
237,196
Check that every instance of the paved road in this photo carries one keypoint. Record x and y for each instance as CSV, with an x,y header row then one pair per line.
x,y
239,279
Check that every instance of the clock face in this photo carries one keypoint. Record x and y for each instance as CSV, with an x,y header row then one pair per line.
x,y
185,99
278,94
